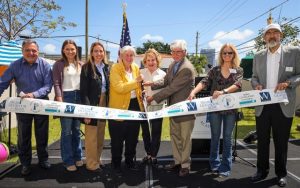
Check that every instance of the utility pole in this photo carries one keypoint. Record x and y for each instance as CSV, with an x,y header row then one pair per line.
x,y
197,36
86,29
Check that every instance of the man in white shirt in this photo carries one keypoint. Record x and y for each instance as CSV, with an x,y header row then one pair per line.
x,y
278,68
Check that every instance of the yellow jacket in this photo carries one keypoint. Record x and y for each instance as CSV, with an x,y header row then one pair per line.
x,y
121,86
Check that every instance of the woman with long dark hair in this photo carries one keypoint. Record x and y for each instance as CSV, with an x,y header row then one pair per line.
x,y
66,79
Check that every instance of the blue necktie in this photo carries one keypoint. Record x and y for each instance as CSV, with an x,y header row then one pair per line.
x,y
175,69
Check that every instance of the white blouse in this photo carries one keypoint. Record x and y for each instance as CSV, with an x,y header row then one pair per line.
x,y
158,74
71,78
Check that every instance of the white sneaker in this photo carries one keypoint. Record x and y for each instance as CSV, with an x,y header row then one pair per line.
x,y
79,163
71,168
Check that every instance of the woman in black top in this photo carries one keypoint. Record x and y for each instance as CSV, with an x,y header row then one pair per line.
x,y
94,83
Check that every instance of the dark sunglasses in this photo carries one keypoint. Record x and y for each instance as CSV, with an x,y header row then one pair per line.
x,y
227,53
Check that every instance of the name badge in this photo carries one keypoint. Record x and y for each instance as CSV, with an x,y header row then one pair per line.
x,y
289,69
232,71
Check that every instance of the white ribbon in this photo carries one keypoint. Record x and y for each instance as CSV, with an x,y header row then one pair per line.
x,y
201,105
223,102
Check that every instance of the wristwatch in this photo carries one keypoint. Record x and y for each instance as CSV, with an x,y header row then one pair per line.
x,y
225,91
288,83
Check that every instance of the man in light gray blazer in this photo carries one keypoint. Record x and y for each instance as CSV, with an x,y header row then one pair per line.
x,y
177,85
278,68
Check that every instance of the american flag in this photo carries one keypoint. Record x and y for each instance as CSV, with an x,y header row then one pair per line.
x,y
125,37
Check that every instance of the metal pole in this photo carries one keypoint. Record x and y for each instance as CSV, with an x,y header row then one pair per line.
x,y
197,43
86,31
9,120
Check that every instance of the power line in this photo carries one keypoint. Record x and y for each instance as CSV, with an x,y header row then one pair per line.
x,y
245,23
214,18
225,16
289,22
69,36
253,47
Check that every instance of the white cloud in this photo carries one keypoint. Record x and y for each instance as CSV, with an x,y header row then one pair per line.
x,y
216,44
152,38
234,35
25,33
49,49
221,38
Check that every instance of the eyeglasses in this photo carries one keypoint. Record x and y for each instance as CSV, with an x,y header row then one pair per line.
x,y
30,51
227,53
177,52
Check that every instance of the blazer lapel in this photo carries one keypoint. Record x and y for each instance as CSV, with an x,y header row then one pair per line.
x,y
264,69
171,69
281,64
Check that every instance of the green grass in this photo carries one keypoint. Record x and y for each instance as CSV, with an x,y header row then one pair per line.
x,y
248,124
244,127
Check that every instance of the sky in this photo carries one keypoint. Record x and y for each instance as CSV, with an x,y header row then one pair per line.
x,y
217,22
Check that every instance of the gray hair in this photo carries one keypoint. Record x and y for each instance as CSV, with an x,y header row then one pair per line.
x,y
127,48
179,44
29,41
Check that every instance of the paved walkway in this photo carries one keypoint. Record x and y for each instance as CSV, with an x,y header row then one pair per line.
x,y
147,176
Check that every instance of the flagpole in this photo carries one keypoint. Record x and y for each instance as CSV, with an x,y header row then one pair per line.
x,y
124,5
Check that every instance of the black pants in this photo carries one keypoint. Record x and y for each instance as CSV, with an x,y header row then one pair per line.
x,y
152,142
124,131
273,118
41,129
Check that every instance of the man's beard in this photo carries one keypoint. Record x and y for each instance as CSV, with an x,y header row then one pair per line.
x,y
272,43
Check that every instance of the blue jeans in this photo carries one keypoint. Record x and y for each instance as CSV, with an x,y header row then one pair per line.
x,y
224,166
70,144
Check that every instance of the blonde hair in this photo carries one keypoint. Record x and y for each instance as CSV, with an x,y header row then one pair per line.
x,y
91,58
155,53
235,61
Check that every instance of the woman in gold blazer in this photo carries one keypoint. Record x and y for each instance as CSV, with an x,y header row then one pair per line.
x,y
125,93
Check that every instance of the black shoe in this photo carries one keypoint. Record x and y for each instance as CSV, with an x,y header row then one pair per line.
x,y
282,182
154,161
25,170
259,176
146,160
173,167
97,170
184,172
117,170
132,166
45,165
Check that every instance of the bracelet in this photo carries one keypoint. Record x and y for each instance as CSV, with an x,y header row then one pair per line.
x,y
224,91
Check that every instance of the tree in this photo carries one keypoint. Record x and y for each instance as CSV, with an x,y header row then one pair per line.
x,y
32,15
199,62
158,46
251,53
290,33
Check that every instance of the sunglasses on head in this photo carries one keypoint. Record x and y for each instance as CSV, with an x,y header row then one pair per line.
x,y
227,53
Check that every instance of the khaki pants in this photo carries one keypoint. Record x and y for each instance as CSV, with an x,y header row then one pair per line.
x,y
94,139
181,141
